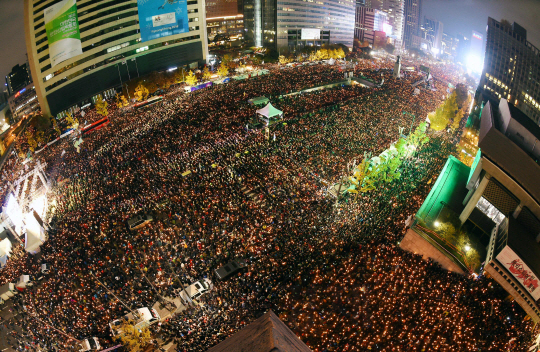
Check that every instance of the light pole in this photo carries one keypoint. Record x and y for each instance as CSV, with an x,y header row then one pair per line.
x,y
125,305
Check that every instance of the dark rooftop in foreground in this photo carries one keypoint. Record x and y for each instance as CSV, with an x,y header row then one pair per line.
x,y
266,334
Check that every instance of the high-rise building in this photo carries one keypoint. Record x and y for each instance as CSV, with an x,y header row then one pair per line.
x,y
477,44
433,33
18,78
412,21
367,22
463,45
450,46
296,23
511,68
395,10
225,18
80,48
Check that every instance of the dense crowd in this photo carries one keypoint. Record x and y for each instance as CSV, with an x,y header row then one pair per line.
x,y
333,272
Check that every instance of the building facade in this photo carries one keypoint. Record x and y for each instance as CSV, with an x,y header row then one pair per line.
x,y
433,33
113,49
24,102
450,45
367,22
224,19
18,78
511,68
295,23
412,22
504,195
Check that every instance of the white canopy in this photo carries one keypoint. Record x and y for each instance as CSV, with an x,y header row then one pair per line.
x,y
269,111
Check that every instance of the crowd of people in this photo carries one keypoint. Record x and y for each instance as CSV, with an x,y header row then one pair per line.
x,y
218,191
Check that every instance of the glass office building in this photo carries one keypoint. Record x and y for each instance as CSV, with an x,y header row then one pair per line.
x,y
295,23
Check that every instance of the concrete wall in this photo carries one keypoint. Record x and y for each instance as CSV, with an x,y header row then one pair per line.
x,y
413,242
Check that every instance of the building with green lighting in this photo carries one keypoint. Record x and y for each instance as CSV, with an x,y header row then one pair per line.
x,y
499,198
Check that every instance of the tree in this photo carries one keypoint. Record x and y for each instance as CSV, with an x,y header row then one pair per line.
x,y
283,60
312,56
101,106
69,119
40,137
340,54
118,100
222,70
141,92
134,338
438,120
56,127
226,60
30,140
191,79
389,48
206,74
125,102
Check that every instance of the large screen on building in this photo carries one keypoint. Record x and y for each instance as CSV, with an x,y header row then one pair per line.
x,y
311,34
62,27
515,265
161,18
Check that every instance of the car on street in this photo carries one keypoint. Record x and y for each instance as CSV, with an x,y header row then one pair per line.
x,y
89,344
230,269
196,290
142,318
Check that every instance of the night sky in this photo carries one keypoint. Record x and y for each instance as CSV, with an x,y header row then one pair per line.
x,y
458,16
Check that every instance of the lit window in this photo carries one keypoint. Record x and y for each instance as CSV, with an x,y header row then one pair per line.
x,y
490,211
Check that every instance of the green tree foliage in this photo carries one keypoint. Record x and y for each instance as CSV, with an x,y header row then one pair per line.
x,y
442,116
389,48
133,338
206,75
385,168
222,70
191,79
56,127
101,106
141,92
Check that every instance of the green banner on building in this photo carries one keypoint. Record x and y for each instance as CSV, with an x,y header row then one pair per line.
x,y
62,26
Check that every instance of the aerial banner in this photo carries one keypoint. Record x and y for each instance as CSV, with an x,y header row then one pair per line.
x,y
162,18
62,26
515,265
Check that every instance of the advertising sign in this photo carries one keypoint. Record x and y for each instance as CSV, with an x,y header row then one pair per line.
x,y
161,18
62,27
521,272
311,34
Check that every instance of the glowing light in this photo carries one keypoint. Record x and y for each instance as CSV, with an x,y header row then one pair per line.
x,y
437,224
467,248
474,63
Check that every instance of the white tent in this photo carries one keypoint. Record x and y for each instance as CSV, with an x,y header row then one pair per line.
x,y
331,62
269,111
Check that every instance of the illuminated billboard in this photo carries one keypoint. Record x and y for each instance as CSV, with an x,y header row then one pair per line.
x,y
387,29
521,272
311,34
62,27
162,18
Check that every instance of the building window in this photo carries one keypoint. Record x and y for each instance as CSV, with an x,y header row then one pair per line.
x,y
490,211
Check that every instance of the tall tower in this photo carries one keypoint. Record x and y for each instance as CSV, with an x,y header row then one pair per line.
x,y
412,20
